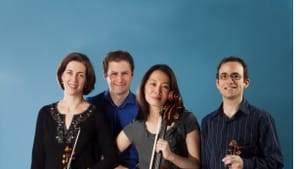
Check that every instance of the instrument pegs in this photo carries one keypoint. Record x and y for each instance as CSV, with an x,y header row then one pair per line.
x,y
66,155
234,148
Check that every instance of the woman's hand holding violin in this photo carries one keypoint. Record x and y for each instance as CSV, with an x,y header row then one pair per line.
x,y
163,146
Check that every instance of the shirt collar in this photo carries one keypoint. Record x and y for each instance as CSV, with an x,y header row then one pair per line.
x,y
131,99
242,109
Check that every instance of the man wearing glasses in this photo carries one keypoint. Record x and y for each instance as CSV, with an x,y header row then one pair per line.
x,y
238,135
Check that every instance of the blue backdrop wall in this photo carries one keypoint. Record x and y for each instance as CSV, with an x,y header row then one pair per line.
x,y
190,36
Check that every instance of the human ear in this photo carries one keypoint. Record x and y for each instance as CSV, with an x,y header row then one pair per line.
x,y
104,76
217,83
246,83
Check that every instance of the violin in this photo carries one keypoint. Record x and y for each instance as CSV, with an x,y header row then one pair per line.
x,y
66,157
170,112
233,149
69,153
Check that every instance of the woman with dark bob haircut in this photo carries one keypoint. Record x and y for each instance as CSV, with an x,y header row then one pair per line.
x,y
71,133
180,146
90,73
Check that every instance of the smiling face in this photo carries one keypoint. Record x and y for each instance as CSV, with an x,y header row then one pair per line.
x,y
231,82
74,78
119,77
157,89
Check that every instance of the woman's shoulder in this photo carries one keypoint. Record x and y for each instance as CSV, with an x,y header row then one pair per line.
x,y
187,115
136,123
189,120
47,110
48,107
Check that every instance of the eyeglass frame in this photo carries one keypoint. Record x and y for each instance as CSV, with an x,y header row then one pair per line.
x,y
225,76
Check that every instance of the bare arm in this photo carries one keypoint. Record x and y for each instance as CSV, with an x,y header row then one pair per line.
x,y
123,143
193,147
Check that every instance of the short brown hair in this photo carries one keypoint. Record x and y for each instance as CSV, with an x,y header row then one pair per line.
x,y
117,56
90,73
234,59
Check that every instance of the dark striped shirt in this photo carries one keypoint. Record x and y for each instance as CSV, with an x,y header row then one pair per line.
x,y
252,128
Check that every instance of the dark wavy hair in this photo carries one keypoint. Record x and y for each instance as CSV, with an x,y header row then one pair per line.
x,y
90,73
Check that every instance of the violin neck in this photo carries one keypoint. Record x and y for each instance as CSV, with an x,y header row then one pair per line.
x,y
158,156
163,129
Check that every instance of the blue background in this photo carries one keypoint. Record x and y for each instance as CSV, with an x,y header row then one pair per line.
x,y
191,36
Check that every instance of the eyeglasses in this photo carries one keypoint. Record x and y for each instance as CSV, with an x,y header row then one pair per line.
x,y
233,76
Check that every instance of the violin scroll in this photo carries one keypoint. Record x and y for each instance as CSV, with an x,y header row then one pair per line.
x,y
173,97
172,108
69,154
66,157
234,148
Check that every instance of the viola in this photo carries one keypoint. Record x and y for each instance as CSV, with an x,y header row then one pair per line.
x,y
170,112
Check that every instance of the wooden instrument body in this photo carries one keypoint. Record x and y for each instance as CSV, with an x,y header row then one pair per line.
x,y
169,113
